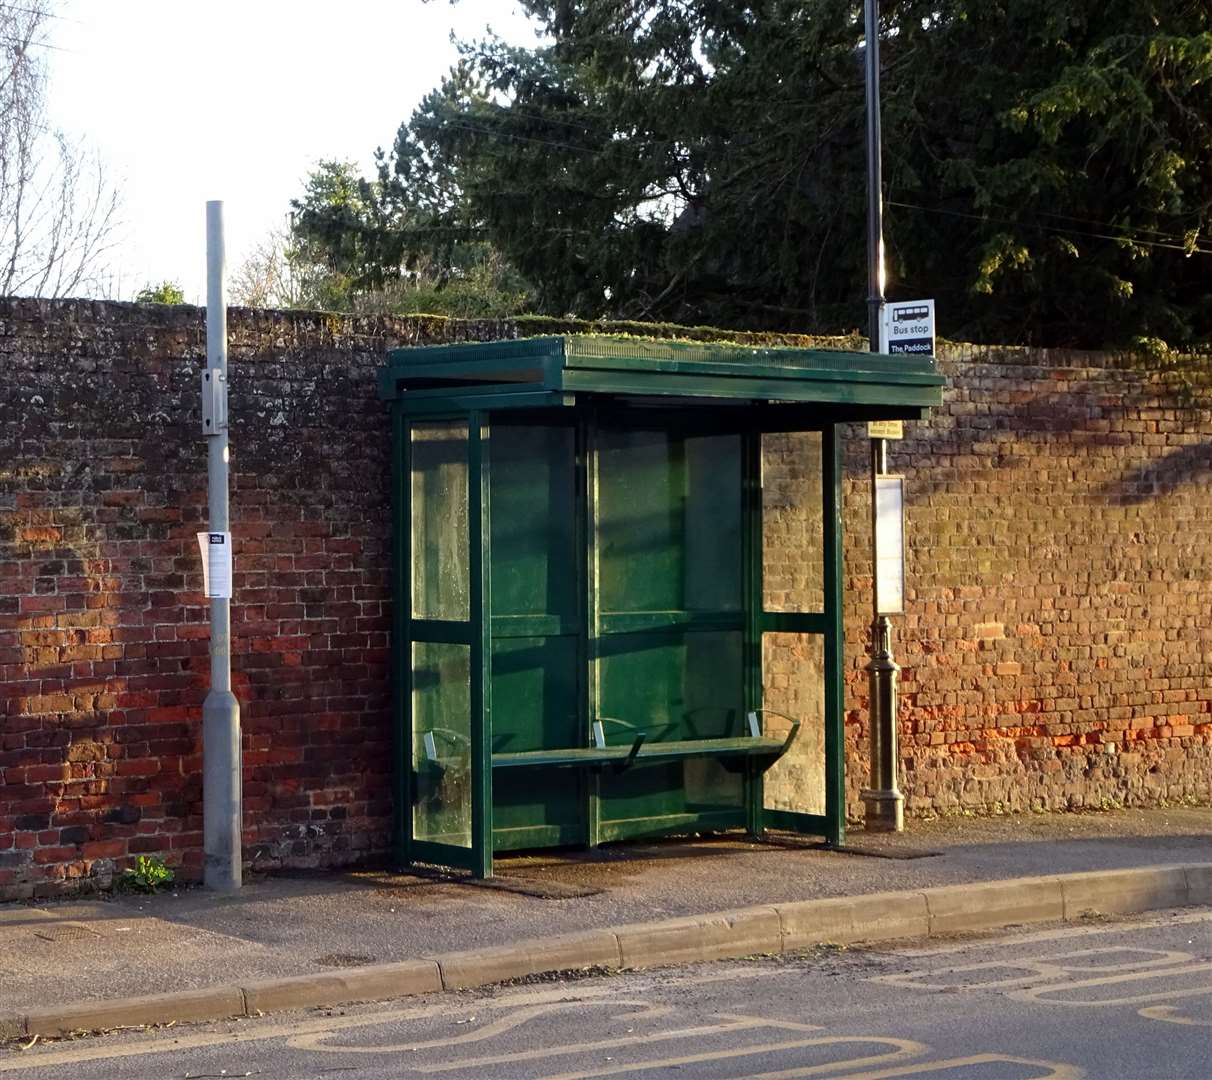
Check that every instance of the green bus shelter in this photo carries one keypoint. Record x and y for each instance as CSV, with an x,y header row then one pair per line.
x,y
618,568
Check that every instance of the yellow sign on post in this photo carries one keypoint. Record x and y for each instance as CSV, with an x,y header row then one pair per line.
x,y
885,429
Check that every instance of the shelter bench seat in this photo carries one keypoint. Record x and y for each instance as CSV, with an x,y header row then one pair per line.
x,y
753,749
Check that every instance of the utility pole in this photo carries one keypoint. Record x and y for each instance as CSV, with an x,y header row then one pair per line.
x,y
222,773
884,802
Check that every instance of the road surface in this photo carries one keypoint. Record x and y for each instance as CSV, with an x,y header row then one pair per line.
x,y
1128,999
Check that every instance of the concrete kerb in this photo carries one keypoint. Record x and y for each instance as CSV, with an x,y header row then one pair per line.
x,y
957,908
343,984
1199,884
569,952
211,1003
722,934
765,929
1121,892
847,919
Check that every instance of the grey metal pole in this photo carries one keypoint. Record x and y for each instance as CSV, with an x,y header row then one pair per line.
x,y
875,194
883,799
222,816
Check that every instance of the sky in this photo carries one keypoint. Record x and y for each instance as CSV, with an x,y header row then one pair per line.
x,y
191,100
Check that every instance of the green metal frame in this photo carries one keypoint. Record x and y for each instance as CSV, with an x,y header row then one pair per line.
x,y
474,634
401,661
549,367
588,512
591,384
481,654
751,556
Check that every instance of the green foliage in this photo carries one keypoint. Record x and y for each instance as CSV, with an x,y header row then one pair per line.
x,y
1077,139
148,874
167,292
373,247
1048,168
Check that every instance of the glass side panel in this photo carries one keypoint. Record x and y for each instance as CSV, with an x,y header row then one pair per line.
x,y
535,707
793,537
672,686
793,684
441,743
440,536
533,489
669,521
536,677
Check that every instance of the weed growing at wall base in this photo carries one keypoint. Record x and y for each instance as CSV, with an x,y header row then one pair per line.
x,y
148,875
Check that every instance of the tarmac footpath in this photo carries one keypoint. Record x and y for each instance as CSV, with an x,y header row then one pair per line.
x,y
290,942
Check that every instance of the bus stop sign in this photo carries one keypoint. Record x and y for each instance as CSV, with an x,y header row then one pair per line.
x,y
908,327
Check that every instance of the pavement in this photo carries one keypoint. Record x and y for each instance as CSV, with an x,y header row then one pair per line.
x,y
314,939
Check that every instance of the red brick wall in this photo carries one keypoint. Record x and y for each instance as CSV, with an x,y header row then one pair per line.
x,y
1057,646
1057,651
103,631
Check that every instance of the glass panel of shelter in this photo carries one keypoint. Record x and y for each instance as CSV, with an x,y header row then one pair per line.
x,y
441,659
441,567
537,666
664,573
793,619
670,620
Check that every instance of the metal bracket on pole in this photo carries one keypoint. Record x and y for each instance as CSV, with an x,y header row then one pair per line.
x,y
214,401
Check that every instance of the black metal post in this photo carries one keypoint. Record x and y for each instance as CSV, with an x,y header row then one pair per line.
x,y
883,799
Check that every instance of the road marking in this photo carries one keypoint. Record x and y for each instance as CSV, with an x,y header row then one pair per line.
x,y
1038,993
318,1040
902,1048
896,1061
1152,958
1169,1013
1056,1070
1121,926
1039,968
100,1050
1049,977
734,1024
587,1047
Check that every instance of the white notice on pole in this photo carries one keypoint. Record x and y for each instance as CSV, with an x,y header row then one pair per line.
x,y
890,545
216,564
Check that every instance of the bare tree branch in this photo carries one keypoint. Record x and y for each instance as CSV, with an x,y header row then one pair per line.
x,y
272,275
58,210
